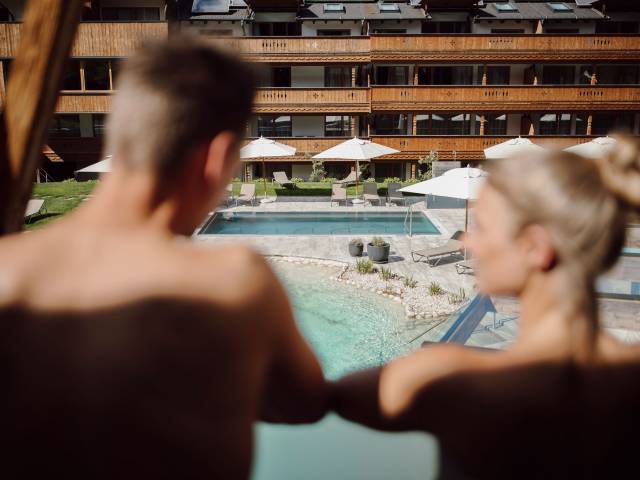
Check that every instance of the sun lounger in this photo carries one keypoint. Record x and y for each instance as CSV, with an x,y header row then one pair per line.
x,y
349,179
453,246
393,195
465,266
247,193
370,193
34,207
338,194
281,179
228,191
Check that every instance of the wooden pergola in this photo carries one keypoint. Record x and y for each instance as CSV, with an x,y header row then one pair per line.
x,y
36,75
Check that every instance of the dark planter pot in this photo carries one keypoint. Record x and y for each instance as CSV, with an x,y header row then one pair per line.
x,y
356,250
378,254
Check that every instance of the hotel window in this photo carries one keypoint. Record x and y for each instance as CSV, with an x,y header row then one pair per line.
x,y
558,74
559,7
494,124
390,31
281,77
446,27
96,75
555,124
496,74
274,125
337,76
443,124
612,122
99,124
337,126
388,124
506,7
65,125
71,79
504,31
617,74
128,14
391,75
276,29
334,33
459,75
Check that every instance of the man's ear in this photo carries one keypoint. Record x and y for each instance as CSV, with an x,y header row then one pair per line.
x,y
539,249
222,155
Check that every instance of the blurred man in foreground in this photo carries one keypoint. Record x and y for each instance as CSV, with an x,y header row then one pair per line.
x,y
127,351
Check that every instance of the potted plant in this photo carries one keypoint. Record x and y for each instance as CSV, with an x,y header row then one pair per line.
x,y
378,250
356,247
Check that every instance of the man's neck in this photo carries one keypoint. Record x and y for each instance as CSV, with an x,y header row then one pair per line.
x,y
126,200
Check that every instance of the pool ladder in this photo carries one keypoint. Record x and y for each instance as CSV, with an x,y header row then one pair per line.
x,y
409,219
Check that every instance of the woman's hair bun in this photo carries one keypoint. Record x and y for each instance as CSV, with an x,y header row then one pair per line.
x,y
620,172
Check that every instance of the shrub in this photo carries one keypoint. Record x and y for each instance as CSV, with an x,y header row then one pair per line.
x,y
364,266
329,180
297,180
317,171
389,180
459,297
435,289
370,180
357,242
409,282
386,274
378,242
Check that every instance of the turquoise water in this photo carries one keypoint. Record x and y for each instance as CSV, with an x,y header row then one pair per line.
x,y
316,223
348,329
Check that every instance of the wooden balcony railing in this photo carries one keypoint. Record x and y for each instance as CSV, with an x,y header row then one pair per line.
x,y
514,48
522,98
306,147
461,147
83,102
312,100
94,39
298,49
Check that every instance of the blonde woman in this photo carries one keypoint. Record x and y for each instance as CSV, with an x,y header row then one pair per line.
x,y
563,402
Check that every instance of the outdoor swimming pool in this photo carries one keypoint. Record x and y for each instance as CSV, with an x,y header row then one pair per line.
x,y
316,223
348,329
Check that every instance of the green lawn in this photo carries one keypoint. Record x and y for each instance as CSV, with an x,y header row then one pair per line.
x,y
59,198
62,197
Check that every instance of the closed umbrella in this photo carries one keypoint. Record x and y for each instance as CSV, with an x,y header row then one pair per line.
x,y
356,149
263,148
596,148
463,183
511,148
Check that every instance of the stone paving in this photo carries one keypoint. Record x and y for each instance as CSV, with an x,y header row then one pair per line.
x,y
335,247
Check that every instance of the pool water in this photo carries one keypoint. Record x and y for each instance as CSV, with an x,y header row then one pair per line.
x,y
316,223
348,328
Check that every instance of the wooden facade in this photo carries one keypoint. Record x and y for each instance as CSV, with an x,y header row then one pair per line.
x,y
312,100
504,99
94,39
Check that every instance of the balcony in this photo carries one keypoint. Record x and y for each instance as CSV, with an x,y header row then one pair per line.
x,y
504,48
502,99
83,102
94,39
461,147
305,147
298,49
312,100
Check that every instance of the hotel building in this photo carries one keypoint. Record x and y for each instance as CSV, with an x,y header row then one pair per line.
x,y
445,78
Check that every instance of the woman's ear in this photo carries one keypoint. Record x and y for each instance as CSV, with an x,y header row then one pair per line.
x,y
539,250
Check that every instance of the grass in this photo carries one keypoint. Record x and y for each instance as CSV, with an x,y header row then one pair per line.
x,y
62,197
59,199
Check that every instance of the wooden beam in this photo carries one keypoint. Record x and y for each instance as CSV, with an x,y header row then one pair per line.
x,y
36,74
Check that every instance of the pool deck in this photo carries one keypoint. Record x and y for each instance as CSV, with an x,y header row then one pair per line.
x,y
335,247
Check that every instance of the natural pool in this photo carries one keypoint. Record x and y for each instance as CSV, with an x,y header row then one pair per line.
x,y
348,329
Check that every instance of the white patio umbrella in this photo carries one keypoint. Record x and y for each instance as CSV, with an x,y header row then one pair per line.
x,y
356,149
463,183
95,169
596,148
510,148
263,148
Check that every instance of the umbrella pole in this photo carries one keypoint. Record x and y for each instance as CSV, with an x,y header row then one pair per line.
x,y
356,179
466,221
264,177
